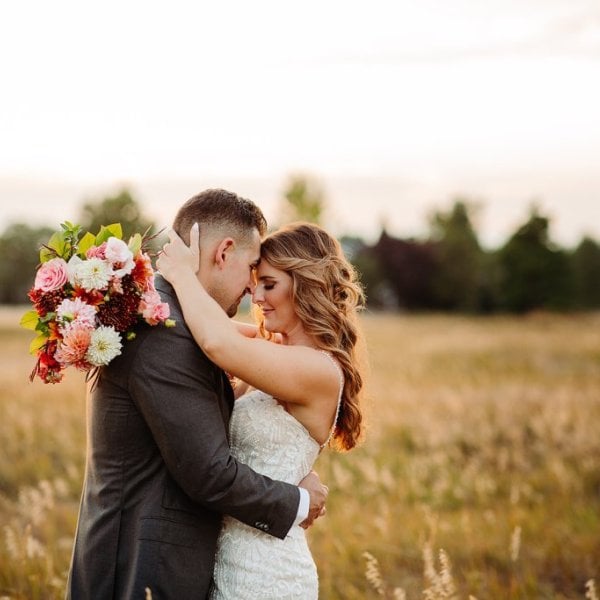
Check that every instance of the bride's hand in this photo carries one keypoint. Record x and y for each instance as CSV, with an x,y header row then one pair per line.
x,y
176,257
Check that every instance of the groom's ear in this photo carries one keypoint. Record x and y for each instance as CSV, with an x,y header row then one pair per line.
x,y
222,251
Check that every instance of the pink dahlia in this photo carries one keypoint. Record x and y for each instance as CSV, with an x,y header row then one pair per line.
x,y
72,312
74,345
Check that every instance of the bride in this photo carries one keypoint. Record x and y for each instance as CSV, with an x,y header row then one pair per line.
x,y
295,396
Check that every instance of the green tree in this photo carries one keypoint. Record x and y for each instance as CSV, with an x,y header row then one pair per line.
x,y
534,272
120,208
20,250
585,264
458,284
303,200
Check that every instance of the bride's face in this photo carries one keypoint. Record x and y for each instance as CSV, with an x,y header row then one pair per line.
x,y
273,294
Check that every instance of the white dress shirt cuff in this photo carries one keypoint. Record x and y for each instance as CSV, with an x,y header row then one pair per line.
x,y
303,506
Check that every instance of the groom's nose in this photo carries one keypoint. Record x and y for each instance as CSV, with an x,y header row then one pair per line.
x,y
251,286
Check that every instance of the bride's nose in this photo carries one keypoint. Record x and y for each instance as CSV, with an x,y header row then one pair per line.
x,y
257,295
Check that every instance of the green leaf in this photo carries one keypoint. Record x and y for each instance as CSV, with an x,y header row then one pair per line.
x,y
42,325
85,243
116,230
29,320
43,328
108,231
102,236
135,243
56,246
37,343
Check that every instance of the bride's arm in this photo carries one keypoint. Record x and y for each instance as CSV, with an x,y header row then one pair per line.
x,y
295,374
247,329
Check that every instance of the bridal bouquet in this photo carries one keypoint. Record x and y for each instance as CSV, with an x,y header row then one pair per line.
x,y
89,293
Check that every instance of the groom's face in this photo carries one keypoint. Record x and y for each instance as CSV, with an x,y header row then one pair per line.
x,y
236,278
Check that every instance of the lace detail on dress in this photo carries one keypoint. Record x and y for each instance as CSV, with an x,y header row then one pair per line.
x,y
251,565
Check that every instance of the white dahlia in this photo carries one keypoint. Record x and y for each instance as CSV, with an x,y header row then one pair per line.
x,y
104,346
94,274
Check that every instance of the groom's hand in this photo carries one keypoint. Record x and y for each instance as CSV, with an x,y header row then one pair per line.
x,y
318,495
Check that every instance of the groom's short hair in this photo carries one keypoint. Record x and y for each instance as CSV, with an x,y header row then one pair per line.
x,y
220,210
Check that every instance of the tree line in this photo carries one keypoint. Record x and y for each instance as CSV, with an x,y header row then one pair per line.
x,y
447,270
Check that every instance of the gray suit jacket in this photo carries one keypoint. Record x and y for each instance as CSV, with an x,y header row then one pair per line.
x,y
159,472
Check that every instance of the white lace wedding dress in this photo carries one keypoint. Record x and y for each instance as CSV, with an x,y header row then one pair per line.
x,y
251,565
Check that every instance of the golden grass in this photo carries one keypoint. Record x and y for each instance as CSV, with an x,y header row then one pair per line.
x,y
479,476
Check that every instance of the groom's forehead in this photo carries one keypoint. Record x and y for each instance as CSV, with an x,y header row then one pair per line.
x,y
251,249
255,242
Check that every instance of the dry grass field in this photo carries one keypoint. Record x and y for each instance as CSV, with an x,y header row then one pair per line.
x,y
479,476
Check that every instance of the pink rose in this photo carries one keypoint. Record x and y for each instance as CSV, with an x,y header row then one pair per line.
x,y
51,275
97,251
153,310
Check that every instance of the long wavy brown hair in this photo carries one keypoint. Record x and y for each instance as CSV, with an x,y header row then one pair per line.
x,y
326,295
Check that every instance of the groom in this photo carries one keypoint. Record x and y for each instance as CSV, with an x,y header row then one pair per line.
x,y
159,471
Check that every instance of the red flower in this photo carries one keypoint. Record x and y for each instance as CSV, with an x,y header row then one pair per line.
x,y
46,302
121,310
48,368
93,297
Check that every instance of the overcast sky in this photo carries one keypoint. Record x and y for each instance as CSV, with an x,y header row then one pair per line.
x,y
395,107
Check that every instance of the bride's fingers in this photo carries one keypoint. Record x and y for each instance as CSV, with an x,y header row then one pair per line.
x,y
172,235
165,249
195,238
175,239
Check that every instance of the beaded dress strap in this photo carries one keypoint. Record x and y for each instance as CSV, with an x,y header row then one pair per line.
x,y
339,401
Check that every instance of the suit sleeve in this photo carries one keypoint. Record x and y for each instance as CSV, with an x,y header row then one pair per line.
x,y
176,388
